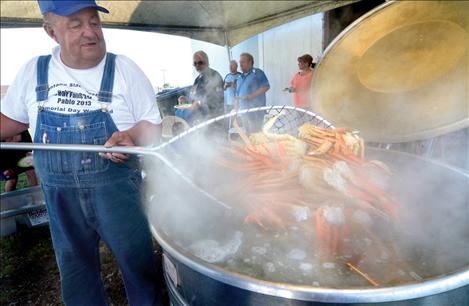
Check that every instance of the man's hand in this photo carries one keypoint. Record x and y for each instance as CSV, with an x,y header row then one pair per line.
x,y
142,134
195,105
118,139
228,85
257,93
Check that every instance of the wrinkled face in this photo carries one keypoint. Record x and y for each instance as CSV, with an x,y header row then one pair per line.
x,y
80,37
245,64
199,63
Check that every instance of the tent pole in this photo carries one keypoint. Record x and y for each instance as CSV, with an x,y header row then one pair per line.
x,y
227,44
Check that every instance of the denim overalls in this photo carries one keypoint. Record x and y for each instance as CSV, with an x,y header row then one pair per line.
x,y
90,198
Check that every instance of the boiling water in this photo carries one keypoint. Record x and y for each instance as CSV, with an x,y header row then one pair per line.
x,y
286,257
430,238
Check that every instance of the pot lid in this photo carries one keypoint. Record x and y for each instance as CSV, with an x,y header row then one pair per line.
x,y
399,73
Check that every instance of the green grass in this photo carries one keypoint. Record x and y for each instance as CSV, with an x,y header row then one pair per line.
x,y
23,249
29,274
27,266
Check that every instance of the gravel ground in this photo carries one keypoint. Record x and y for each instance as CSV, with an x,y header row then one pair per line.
x,y
29,274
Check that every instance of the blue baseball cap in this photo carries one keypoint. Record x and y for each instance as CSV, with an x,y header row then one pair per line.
x,y
67,8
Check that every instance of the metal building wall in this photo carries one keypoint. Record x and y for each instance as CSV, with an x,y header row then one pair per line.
x,y
279,49
218,56
274,51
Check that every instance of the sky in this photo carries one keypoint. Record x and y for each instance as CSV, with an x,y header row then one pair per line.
x,y
162,57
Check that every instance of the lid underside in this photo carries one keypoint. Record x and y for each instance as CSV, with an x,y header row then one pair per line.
x,y
399,73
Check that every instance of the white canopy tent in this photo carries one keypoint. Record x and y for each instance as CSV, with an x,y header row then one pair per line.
x,y
224,23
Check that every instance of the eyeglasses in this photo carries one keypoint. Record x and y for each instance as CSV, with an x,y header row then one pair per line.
x,y
199,63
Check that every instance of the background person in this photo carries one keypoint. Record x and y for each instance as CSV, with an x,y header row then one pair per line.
x,y
10,167
250,90
206,94
184,113
300,84
229,86
80,94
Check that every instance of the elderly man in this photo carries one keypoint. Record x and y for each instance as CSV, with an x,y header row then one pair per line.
x,y
251,89
80,94
206,94
229,85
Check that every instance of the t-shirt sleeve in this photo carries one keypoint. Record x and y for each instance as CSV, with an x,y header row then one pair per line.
x,y
14,104
141,97
262,79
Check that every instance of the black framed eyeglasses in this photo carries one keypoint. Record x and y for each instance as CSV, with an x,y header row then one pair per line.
x,y
199,63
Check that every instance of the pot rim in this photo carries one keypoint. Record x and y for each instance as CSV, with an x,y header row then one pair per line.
x,y
308,293
409,291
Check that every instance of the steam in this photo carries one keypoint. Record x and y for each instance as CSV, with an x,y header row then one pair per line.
x,y
432,232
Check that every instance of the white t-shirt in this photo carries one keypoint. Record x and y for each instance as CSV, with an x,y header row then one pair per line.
x,y
76,90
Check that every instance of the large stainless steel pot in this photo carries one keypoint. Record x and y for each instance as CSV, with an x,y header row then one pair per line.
x,y
179,215
196,282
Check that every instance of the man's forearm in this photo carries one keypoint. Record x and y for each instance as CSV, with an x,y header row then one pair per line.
x,y
145,133
258,92
10,127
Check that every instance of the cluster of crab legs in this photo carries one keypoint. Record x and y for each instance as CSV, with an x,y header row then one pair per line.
x,y
319,181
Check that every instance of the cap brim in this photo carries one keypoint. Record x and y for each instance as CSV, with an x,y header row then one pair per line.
x,y
78,7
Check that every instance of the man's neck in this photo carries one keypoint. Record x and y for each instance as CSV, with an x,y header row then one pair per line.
x,y
81,64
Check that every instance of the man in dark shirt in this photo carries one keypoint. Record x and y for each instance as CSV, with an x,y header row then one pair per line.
x,y
206,94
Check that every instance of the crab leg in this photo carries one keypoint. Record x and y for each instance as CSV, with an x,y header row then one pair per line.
x,y
363,274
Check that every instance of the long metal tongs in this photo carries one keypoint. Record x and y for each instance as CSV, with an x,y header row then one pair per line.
x,y
135,150
154,151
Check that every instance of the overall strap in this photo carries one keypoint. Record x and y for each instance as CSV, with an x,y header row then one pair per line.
x,y
107,82
42,88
